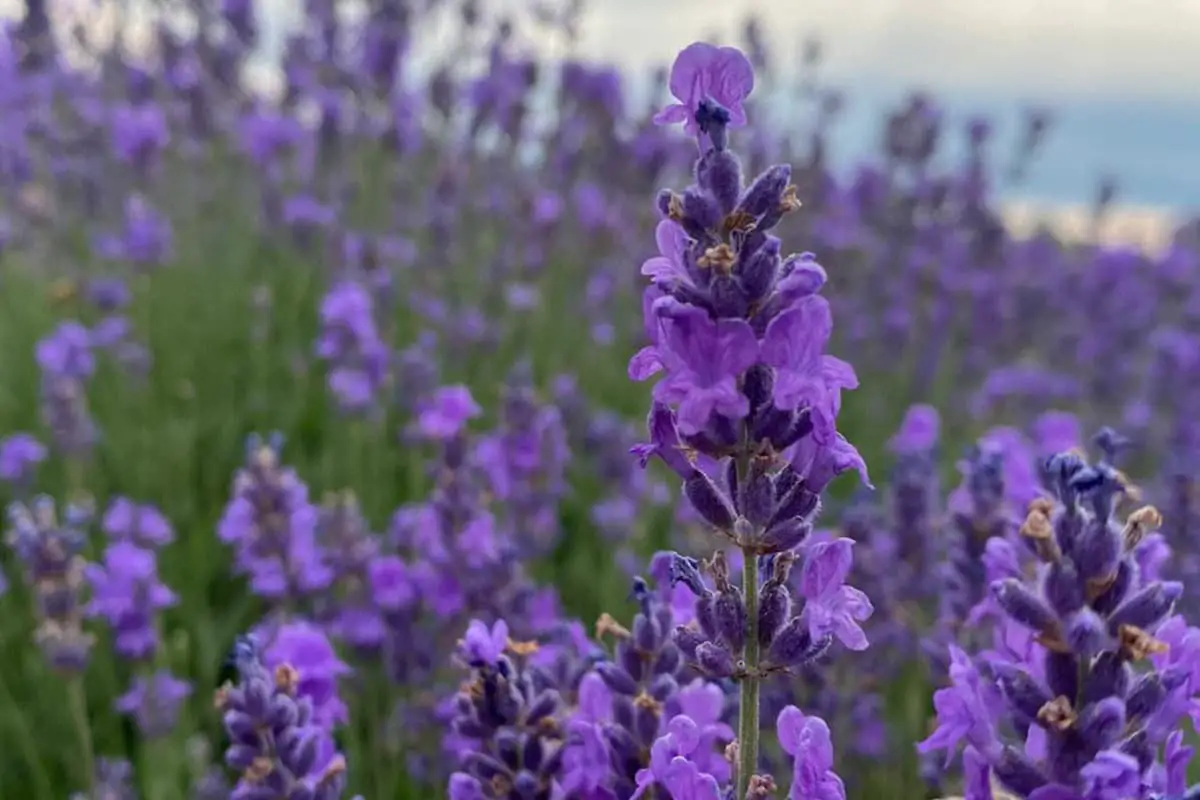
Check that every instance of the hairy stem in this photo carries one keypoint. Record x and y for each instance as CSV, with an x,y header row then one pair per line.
x,y
748,710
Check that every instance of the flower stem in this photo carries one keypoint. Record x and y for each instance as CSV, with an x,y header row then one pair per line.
x,y
748,710
79,716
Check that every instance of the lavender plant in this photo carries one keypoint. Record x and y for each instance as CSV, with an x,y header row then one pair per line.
x,y
1084,708
739,334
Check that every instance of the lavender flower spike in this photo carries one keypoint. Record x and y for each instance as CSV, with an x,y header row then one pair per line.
x,y
1096,693
276,742
747,399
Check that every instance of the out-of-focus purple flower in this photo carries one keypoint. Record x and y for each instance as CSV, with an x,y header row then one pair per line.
x,y
19,456
832,607
154,702
50,550
144,239
446,412
127,593
482,645
391,583
143,525
67,353
1057,432
272,526
966,710
350,343
109,294
703,72
807,740
919,432
139,133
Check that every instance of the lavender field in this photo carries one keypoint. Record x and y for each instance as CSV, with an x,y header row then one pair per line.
x,y
455,424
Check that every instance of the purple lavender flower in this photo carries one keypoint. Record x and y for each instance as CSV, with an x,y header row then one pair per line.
x,y
276,743
272,526
918,432
1092,722
511,711
127,593
51,552
481,646
67,363
143,525
672,768
350,342
831,606
19,456
525,461
113,780
746,409
702,72
154,702
446,412
807,741
305,649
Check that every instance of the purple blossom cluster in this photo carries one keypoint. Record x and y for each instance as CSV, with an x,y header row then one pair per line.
x,y
1087,705
439,212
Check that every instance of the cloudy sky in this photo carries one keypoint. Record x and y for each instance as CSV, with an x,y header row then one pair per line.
x,y
1122,75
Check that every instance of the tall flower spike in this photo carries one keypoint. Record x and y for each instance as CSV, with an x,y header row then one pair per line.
x,y
511,712
271,524
51,550
738,336
277,745
1075,697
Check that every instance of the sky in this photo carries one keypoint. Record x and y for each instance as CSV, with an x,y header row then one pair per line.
x,y
1123,76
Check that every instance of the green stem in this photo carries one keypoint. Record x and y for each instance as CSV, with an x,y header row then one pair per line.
x,y
79,716
748,711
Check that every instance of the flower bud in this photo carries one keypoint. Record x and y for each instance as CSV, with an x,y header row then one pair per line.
x,y
1025,607
766,192
617,679
794,646
720,172
774,608
1101,724
709,501
1146,608
1146,697
730,613
715,660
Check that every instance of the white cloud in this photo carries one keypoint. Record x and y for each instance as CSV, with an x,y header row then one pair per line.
x,y
1051,48
1141,47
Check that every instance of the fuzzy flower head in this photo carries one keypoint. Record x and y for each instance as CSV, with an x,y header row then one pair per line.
x,y
50,550
305,649
703,72
143,525
446,413
154,702
19,456
271,523
127,593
